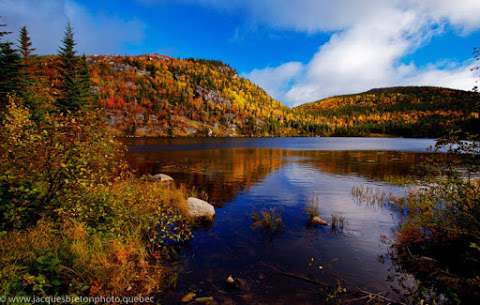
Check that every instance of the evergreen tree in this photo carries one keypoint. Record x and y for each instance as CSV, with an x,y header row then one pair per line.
x,y
30,78
70,99
84,81
9,70
25,44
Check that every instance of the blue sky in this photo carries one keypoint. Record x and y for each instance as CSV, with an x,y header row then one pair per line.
x,y
298,51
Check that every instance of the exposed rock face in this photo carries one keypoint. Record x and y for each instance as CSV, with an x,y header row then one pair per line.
x,y
318,221
163,178
199,209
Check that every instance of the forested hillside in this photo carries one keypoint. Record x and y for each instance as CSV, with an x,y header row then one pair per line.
x,y
155,95
404,111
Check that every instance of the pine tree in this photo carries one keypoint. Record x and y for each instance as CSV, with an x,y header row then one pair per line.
x,y
9,70
70,99
25,44
84,82
30,78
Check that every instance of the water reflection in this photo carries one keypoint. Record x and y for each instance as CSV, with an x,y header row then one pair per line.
x,y
223,172
242,180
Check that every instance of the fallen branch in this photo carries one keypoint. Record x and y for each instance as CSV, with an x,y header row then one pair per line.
x,y
378,295
295,276
356,299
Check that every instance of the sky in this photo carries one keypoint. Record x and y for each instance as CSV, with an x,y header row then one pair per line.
x,y
299,51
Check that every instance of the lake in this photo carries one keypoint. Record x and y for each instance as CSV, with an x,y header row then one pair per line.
x,y
242,176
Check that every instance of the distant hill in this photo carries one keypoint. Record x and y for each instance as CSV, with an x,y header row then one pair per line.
x,y
404,111
155,95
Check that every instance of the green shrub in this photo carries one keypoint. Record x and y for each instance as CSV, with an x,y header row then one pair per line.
x,y
72,219
439,241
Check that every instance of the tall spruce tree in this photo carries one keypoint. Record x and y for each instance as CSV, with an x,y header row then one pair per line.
x,y
70,94
84,82
30,78
10,64
25,44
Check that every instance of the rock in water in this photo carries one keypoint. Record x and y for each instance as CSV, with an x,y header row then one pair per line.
x,y
199,209
318,221
163,178
188,297
242,284
206,300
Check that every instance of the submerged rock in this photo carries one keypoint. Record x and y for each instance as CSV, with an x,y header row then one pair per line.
x,y
316,220
237,283
242,284
230,280
189,297
199,209
163,178
204,300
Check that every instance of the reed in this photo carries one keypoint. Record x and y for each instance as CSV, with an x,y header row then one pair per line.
x,y
269,219
373,197
337,223
312,208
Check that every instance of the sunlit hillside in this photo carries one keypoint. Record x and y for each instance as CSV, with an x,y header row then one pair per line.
x,y
156,95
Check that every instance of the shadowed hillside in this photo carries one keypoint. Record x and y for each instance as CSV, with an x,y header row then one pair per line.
x,y
404,111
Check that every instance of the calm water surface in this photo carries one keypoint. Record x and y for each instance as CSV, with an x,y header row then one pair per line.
x,y
241,176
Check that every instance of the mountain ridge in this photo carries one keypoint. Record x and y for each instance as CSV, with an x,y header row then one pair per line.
x,y
413,111
157,95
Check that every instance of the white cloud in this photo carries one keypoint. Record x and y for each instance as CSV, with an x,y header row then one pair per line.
x,y
328,15
46,21
369,40
276,80
463,13
461,77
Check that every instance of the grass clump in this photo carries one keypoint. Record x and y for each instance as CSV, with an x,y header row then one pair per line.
x,y
269,220
54,259
373,197
312,208
312,211
337,223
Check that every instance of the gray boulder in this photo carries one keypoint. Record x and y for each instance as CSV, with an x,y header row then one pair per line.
x,y
163,178
199,209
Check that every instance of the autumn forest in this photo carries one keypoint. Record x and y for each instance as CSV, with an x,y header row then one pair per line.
x,y
156,95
